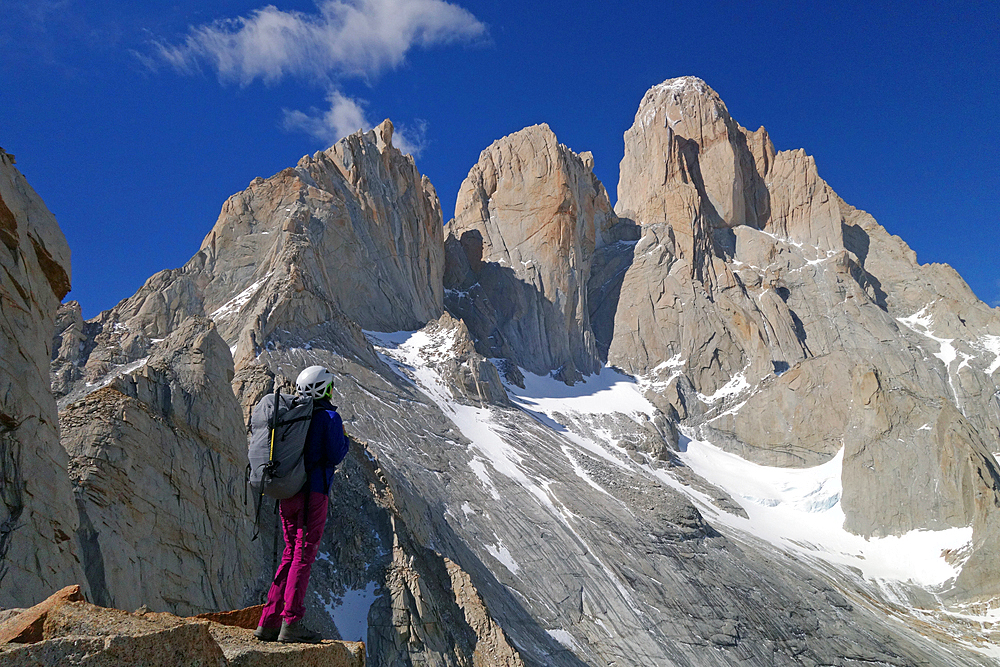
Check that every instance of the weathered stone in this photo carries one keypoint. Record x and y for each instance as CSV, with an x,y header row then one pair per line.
x,y
37,520
246,618
492,646
242,649
158,460
182,645
434,614
529,217
74,632
27,626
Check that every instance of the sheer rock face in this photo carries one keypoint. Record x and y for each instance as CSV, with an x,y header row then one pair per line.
x,y
760,310
784,324
688,162
357,224
37,519
157,460
350,238
528,220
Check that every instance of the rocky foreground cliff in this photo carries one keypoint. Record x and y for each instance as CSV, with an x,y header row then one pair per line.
x,y
38,518
728,420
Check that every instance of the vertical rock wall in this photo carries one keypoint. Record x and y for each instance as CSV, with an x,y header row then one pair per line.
x,y
37,515
528,220
157,459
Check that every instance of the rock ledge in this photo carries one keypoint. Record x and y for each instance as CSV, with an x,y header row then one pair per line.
x,y
65,629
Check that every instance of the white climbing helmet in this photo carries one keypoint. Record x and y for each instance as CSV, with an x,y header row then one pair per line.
x,y
314,382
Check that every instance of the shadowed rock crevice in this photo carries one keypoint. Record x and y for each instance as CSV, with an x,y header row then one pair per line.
x,y
508,317
8,227
11,488
90,552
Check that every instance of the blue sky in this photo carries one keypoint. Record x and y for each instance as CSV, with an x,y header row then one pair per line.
x,y
136,121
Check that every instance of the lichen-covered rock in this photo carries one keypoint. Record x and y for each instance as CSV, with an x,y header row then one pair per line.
x,y
37,518
528,220
157,459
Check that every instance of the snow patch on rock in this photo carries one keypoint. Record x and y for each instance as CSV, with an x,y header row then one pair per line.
x,y
799,510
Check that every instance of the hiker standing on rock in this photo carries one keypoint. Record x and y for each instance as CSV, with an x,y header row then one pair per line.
x,y
303,516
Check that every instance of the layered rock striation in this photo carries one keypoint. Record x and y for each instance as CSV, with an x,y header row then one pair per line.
x,y
786,325
37,517
530,216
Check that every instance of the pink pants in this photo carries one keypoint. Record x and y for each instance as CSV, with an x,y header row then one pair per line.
x,y
286,599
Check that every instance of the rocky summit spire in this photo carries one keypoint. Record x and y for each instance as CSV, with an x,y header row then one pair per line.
x,y
786,325
687,161
739,323
529,217
350,237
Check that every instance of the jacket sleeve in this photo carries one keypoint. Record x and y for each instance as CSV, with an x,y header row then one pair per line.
x,y
336,440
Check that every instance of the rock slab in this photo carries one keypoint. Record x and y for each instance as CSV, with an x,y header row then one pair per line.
x,y
37,517
71,631
157,457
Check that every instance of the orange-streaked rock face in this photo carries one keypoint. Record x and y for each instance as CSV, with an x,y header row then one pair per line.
x,y
533,209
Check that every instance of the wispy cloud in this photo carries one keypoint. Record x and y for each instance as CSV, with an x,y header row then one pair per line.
x,y
344,38
345,116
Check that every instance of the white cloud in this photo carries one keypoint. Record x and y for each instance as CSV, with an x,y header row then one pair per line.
x,y
354,38
345,116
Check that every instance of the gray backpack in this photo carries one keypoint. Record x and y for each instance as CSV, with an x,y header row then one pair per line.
x,y
278,428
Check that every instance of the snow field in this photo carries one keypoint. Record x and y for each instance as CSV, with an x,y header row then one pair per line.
x,y
797,510
233,306
991,344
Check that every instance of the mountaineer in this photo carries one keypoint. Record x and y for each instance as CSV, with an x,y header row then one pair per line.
x,y
303,516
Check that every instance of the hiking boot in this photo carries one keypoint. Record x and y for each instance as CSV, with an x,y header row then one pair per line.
x,y
266,634
298,633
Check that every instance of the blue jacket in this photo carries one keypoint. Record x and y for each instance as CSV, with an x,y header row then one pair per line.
x,y
326,446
